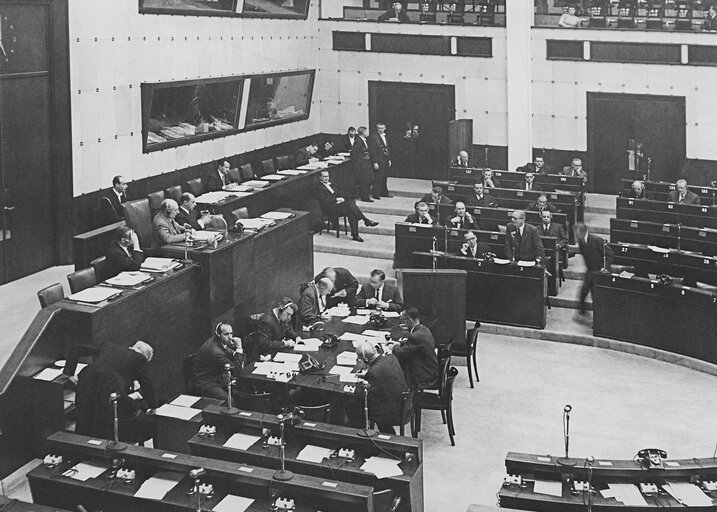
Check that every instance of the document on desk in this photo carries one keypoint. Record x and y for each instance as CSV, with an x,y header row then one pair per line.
x,y
382,467
48,374
307,345
688,494
276,215
356,320
549,487
241,441
628,494
350,336
156,487
347,359
375,334
312,453
185,401
340,311
281,357
95,294
348,377
174,411
274,177
340,370
387,314
159,264
291,172
83,471
232,503
524,263
129,279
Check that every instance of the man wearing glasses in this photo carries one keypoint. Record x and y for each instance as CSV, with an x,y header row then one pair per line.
x,y
472,248
522,241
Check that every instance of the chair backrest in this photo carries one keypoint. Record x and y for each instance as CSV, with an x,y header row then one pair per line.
x,y
464,349
155,200
235,174
316,412
267,166
443,365
446,392
195,186
188,372
241,213
50,295
283,162
82,279
246,172
250,344
174,192
384,501
138,216
407,398
100,266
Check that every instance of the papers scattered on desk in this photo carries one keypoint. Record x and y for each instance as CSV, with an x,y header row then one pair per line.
x,y
267,367
274,177
257,183
501,261
372,333
348,377
307,345
129,279
207,236
382,467
241,441
185,401
660,250
340,370
688,494
291,172
626,275
312,453
350,336
347,358
345,154
215,197
277,215
159,264
314,165
628,494
174,411
257,223
48,374
95,294
281,357
83,471
523,263
156,487
341,311
549,487
232,503
236,187
356,320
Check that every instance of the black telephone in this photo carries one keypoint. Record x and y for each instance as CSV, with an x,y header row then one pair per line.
x,y
652,457
329,340
309,364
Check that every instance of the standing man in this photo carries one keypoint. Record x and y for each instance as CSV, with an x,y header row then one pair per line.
x,y
348,140
124,253
165,228
381,158
111,205
345,286
378,294
416,352
710,23
209,372
522,241
219,178
597,254
363,170
682,195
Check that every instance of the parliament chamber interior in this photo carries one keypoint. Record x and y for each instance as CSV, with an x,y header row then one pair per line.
x,y
358,255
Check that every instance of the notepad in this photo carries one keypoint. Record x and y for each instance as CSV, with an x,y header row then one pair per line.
x,y
232,503
174,411
185,401
156,487
307,345
129,279
241,441
95,295
312,453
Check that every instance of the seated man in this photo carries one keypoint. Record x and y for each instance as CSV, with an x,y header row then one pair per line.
x,y
378,294
436,196
345,286
312,304
274,332
682,195
539,167
542,204
472,248
335,205
114,370
209,375
576,169
187,213
528,183
395,14
165,228
124,253
384,382
460,160
306,154
219,178
416,352
111,205
522,241
637,191
490,181
478,198
463,219
421,215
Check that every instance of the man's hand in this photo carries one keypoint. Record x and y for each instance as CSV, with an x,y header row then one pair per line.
x,y
375,166
389,163
372,301
455,219
289,343
74,379
341,293
382,305
135,240
325,315
340,200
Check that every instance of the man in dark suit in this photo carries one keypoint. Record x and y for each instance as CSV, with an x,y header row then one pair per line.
x,y
395,14
710,23
312,304
381,159
165,228
528,183
576,169
490,181
187,213
462,219
542,204
335,205
348,140
306,154
421,215
472,248
219,178
363,169
274,332
416,352
478,198
378,294
124,253
436,197
111,205
682,195
345,286
460,160
114,370
209,376
549,228
597,254
637,191
384,382
522,241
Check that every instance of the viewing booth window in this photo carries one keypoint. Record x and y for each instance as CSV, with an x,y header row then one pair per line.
x,y
235,8
184,112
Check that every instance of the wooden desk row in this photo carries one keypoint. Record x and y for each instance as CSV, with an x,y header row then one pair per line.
x,y
552,182
674,236
667,213
659,190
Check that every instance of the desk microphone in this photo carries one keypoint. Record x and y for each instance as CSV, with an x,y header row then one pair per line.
x,y
115,445
283,474
565,461
196,475
367,430
230,381
589,461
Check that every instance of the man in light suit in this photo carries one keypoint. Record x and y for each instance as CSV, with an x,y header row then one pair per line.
x,y
165,228
378,294
576,169
111,206
522,241
682,195
124,253
312,304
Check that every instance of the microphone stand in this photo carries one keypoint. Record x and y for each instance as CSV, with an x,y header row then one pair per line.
x,y
713,183
433,253
187,243
512,235
679,234
604,256
485,157
196,474
283,475
115,445
565,461
367,430
590,460
649,161
230,411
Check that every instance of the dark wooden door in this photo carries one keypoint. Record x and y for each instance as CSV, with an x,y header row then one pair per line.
x,y
658,122
404,105
27,183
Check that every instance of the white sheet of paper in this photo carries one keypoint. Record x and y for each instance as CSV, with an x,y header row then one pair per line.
x,y
549,487
185,401
232,503
348,377
48,374
347,358
350,336
375,334
382,467
340,370
276,215
128,278
313,453
241,441
281,357
391,314
628,494
356,320
688,494
156,487
95,294
83,471
306,348
174,411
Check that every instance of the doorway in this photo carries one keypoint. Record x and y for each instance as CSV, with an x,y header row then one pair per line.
x,y
631,133
416,117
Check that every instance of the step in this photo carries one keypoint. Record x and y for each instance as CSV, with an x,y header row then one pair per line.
x,y
375,246
359,266
398,206
561,326
386,224
600,201
568,296
408,187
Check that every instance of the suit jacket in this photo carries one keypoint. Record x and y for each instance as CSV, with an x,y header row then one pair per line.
x,y
555,230
389,294
344,281
568,171
208,371
166,231
690,197
184,217
111,207
710,24
633,195
592,251
522,186
310,307
484,201
418,358
379,151
386,382
528,247
481,249
118,260
466,223
326,198
402,16
270,333
361,156
346,144
301,157
428,199
413,219
533,207
214,182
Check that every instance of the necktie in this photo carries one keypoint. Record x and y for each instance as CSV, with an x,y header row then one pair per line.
x,y
377,294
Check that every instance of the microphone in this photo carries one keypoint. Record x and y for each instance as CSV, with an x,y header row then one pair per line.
x,y
590,460
604,258
568,408
230,381
565,461
367,430
283,474
115,445
195,475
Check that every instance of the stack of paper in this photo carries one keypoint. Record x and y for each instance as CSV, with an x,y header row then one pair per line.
x,y
257,183
688,494
307,345
501,261
312,453
274,177
236,187
214,197
348,377
174,411
277,215
347,359
256,224
95,295
267,367
382,467
241,441
341,311
340,370
356,338
152,264
628,494
291,172
156,487
372,333
356,320
129,279
83,471
314,165
282,357
232,503
185,401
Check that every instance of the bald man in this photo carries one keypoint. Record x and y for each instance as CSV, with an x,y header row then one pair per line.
x,y
312,304
165,229
460,160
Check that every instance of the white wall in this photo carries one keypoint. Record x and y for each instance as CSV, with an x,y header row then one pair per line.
x,y
113,49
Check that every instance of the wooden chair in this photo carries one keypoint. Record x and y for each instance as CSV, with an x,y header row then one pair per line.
x,y
441,401
155,201
247,172
138,215
283,162
235,174
195,186
406,413
328,221
469,352
385,501
174,192
267,166
82,279
50,294
316,412
100,266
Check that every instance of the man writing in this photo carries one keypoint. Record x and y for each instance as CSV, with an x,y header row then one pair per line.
x,y
541,205
305,155
345,286
274,332
312,304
